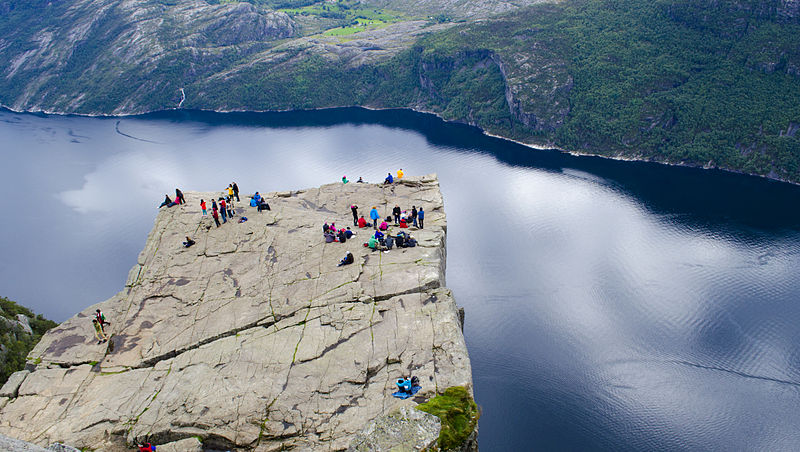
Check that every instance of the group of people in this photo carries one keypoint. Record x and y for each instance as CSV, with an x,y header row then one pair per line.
x,y
331,234
179,199
258,201
401,218
99,322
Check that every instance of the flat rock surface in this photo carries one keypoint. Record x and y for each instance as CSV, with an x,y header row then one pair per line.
x,y
253,339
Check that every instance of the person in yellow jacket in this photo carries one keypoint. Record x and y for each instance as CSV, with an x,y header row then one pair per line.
x,y
400,173
230,192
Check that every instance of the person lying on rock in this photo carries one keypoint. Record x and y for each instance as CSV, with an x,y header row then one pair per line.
x,y
189,242
347,259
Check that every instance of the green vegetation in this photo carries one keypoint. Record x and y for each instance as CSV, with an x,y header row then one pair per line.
x,y
458,413
347,16
15,344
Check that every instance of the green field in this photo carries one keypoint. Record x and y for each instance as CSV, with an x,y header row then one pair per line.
x,y
347,17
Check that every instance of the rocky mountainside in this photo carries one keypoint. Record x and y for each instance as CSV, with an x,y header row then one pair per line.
x,y
713,84
254,338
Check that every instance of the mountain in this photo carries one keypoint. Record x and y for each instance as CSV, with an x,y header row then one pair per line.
x,y
710,83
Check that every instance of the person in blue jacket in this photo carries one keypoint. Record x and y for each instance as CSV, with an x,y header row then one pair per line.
x,y
389,179
421,217
374,215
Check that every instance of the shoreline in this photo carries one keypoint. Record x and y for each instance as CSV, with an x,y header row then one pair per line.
x,y
533,146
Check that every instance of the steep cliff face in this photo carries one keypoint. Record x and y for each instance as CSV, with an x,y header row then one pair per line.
x,y
252,339
96,56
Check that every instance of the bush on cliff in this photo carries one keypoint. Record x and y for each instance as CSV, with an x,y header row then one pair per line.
x,y
15,343
458,413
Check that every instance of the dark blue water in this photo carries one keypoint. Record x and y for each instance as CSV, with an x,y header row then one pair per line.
x,y
610,305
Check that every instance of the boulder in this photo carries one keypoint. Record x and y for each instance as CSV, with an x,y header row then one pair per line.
x,y
403,429
253,338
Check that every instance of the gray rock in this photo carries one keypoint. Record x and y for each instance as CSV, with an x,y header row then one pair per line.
x,y
58,447
403,429
253,339
23,322
15,445
11,387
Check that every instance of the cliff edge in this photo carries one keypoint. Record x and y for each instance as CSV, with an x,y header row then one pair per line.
x,y
252,339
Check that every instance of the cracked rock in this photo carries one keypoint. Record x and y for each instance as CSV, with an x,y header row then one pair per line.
x,y
253,338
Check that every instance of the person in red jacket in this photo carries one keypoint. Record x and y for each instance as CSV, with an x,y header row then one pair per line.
x,y
362,223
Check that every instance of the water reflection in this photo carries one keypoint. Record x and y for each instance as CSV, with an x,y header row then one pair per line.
x,y
610,305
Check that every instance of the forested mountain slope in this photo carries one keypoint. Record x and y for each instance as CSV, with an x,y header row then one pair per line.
x,y
711,83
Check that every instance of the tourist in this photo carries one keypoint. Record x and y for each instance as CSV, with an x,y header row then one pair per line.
x,y
354,209
396,211
236,191
257,197
230,192
403,223
262,205
215,215
179,199
362,223
421,217
347,259
99,334
329,237
325,227
389,242
360,180
389,179
344,180
223,211
374,215
414,215
400,174
189,242
373,243
167,202
384,226
98,314
203,206
146,447
349,233
401,239
231,210
342,236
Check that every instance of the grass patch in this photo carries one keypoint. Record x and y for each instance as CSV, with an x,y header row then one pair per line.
x,y
458,413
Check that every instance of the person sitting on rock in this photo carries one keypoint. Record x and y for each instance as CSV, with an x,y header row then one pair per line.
x,y
329,237
189,242
389,242
384,226
262,205
360,180
167,202
325,227
404,385
146,447
400,239
403,223
99,334
349,233
342,236
362,223
373,243
347,259
389,179
344,180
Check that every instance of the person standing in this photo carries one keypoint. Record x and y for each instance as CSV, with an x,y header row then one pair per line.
x,y
400,174
179,197
222,210
215,215
421,217
230,192
101,319
354,209
414,215
231,210
374,215
396,211
203,206
236,191
99,334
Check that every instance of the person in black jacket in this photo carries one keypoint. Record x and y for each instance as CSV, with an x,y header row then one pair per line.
x,y
179,197
396,212
236,191
348,259
354,209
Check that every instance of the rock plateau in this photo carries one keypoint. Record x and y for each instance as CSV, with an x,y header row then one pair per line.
x,y
252,339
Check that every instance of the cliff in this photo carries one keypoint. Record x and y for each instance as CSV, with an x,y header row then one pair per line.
x,y
252,339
